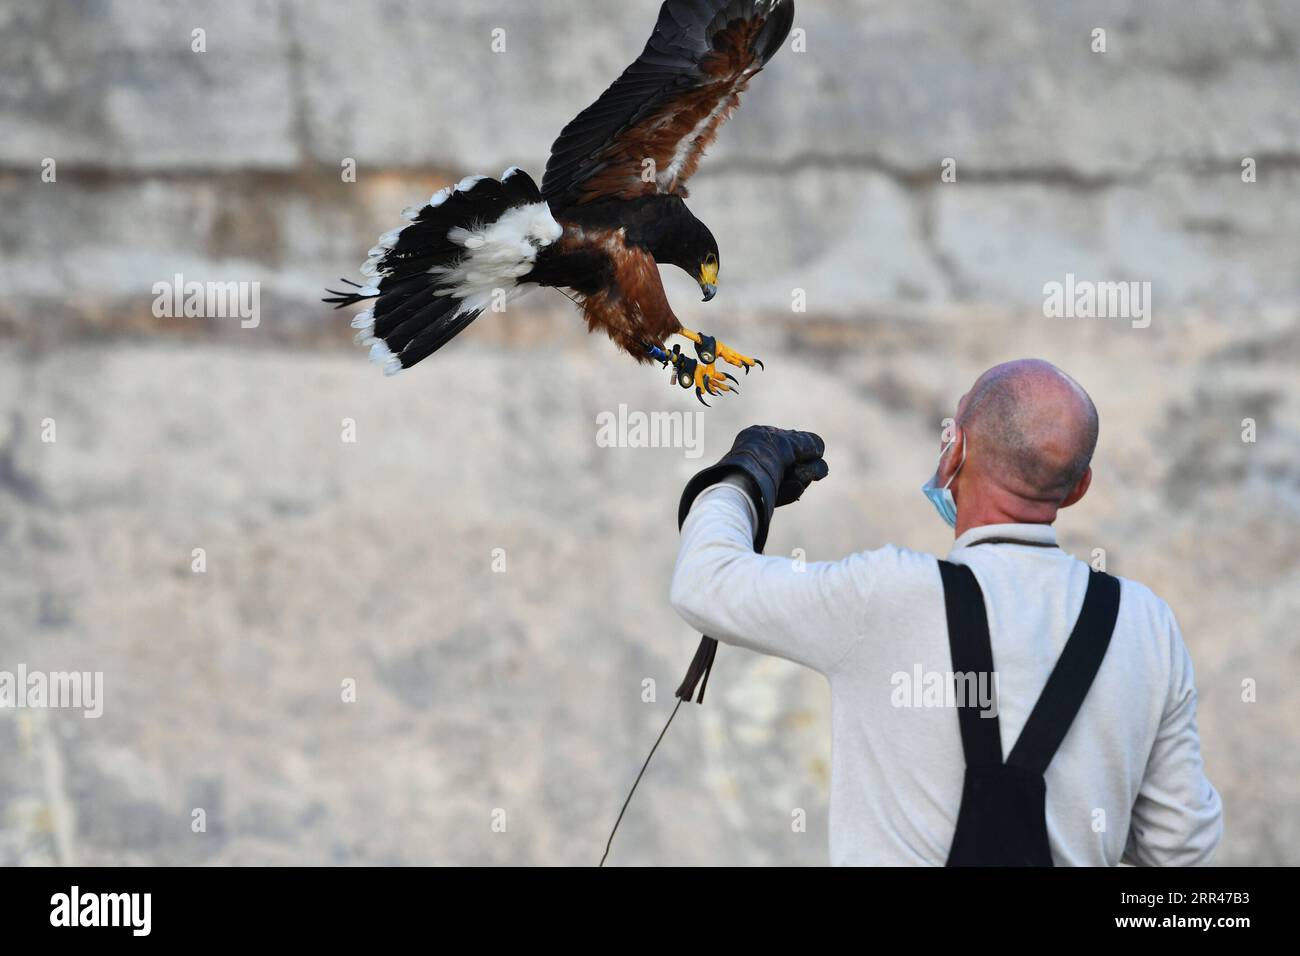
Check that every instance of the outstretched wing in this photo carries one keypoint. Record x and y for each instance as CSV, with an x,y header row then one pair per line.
x,y
667,107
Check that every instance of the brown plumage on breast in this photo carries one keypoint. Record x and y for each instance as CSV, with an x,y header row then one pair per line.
x,y
633,309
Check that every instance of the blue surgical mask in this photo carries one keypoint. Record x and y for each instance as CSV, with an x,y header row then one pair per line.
x,y
942,498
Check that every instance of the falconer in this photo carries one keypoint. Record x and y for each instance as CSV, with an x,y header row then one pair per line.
x,y
1087,755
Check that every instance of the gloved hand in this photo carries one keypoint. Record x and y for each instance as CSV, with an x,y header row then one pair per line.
x,y
775,467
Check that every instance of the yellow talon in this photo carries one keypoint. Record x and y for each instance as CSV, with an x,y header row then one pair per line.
x,y
732,357
710,351
690,373
708,380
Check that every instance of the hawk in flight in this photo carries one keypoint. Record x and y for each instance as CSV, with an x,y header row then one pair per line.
x,y
611,209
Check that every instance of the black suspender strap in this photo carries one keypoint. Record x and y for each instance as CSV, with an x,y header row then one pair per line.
x,y
1071,678
972,660
1068,685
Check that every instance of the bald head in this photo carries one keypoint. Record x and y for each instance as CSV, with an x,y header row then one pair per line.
x,y
1034,426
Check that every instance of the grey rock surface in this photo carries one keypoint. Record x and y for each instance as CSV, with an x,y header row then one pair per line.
x,y
482,692
229,161
521,690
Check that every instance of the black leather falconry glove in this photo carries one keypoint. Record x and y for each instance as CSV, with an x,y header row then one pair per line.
x,y
774,467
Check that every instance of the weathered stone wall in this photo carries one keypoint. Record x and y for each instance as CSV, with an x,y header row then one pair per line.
x,y
1123,164
372,560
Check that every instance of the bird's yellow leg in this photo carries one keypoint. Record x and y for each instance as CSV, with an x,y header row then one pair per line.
x,y
689,373
710,350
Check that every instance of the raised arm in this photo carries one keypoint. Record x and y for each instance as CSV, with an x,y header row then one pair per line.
x,y
806,613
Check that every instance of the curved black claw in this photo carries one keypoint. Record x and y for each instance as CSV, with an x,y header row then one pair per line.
x,y
732,377
759,363
700,396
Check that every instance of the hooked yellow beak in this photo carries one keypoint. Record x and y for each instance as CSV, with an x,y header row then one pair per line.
x,y
709,280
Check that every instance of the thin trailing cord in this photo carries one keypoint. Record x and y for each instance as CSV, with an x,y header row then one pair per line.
x,y
610,842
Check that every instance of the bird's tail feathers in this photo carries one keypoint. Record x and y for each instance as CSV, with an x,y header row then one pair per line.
x,y
469,246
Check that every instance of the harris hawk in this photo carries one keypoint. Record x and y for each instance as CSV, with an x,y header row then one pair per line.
x,y
610,211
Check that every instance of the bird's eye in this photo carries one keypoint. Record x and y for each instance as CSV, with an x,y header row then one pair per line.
x,y
710,260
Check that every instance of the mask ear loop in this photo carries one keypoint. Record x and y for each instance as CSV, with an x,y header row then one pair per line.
x,y
963,458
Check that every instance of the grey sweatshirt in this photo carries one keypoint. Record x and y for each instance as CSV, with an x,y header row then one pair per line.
x,y
1128,782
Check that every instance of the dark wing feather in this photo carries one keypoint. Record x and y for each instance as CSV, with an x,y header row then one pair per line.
x,y
669,104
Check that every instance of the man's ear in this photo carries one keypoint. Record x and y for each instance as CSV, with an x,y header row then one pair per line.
x,y
1080,489
952,458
